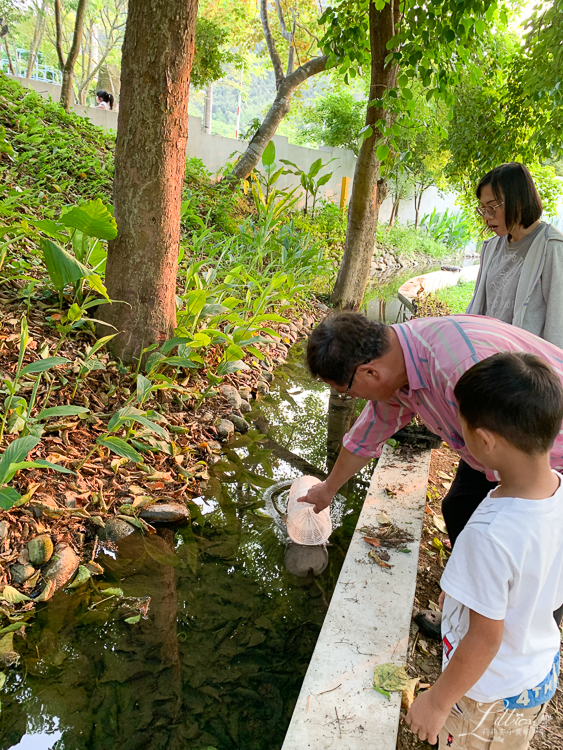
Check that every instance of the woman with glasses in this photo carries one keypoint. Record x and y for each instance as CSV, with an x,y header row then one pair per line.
x,y
521,276
520,282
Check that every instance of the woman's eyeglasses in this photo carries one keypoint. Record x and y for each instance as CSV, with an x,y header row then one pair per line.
x,y
489,211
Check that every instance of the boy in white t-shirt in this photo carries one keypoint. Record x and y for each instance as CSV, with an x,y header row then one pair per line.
x,y
504,578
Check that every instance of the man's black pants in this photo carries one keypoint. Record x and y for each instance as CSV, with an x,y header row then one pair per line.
x,y
469,488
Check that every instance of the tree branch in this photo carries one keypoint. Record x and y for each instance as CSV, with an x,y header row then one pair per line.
x,y
284,32
274,54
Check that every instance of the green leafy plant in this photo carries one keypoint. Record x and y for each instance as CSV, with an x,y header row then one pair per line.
x,y
310,183
84,226
12,461
17,410
448,228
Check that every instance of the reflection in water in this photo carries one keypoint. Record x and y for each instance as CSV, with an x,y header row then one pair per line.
x,y
301,560
234,614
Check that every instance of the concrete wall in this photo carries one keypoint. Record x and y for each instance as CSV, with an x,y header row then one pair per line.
x,y
216,150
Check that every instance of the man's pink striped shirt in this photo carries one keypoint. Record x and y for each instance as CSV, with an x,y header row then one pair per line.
x,y
437,352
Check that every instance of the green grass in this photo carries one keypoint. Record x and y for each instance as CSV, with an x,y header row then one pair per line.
x,y
457,297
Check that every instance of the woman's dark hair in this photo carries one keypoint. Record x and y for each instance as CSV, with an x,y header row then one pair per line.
x,y
342,342
516,395
105,96
513,184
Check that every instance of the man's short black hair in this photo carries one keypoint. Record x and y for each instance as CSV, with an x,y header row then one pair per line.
x,y
516,395
342,342
512,184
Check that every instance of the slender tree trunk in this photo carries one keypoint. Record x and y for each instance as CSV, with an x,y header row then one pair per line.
x,y
394,212
68,68
368,192
150,159
10,63
37,37
208,110
276,113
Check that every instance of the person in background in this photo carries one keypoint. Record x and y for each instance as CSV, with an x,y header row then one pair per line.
x,y
521,275
104,100
505,574
520,282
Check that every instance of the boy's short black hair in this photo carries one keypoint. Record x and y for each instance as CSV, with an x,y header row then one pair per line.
x,y
342,342
512,184
516,395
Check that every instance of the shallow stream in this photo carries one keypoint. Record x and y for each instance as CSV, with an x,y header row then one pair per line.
x,y
219,653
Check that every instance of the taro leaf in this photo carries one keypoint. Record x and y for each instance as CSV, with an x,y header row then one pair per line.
x,y
63,268
13,596
390,678
112,592
82,575
93,219
51,228
14,453
8,497
227,368
43,364
144,386
132,620
119,446
61,411
269,154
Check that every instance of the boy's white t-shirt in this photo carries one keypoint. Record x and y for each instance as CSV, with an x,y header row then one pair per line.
x,y
507,564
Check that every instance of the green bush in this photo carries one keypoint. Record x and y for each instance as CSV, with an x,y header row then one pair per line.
x,y
407,241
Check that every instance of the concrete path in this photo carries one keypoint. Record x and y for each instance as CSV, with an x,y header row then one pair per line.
x,y
367,624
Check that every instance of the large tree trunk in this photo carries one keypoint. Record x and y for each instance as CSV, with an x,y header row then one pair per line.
x,y
150,159
68,67
368,192
276,113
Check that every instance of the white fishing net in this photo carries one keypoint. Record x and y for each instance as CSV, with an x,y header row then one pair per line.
x,y
304,526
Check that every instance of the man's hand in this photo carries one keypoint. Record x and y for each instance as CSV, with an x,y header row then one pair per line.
x,y
319,496
427,719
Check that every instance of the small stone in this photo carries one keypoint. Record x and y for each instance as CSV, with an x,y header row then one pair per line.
x,y
241,425
213,445
267,376
207,416
225,429
59,571
40,550
21,573
165,513
244,394
115,529
262,387
231,394
245,407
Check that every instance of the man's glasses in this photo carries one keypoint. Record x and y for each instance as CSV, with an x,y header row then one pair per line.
x,y
489,211
346,396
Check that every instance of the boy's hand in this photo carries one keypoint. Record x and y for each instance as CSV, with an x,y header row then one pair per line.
x,y
441,600
426,719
